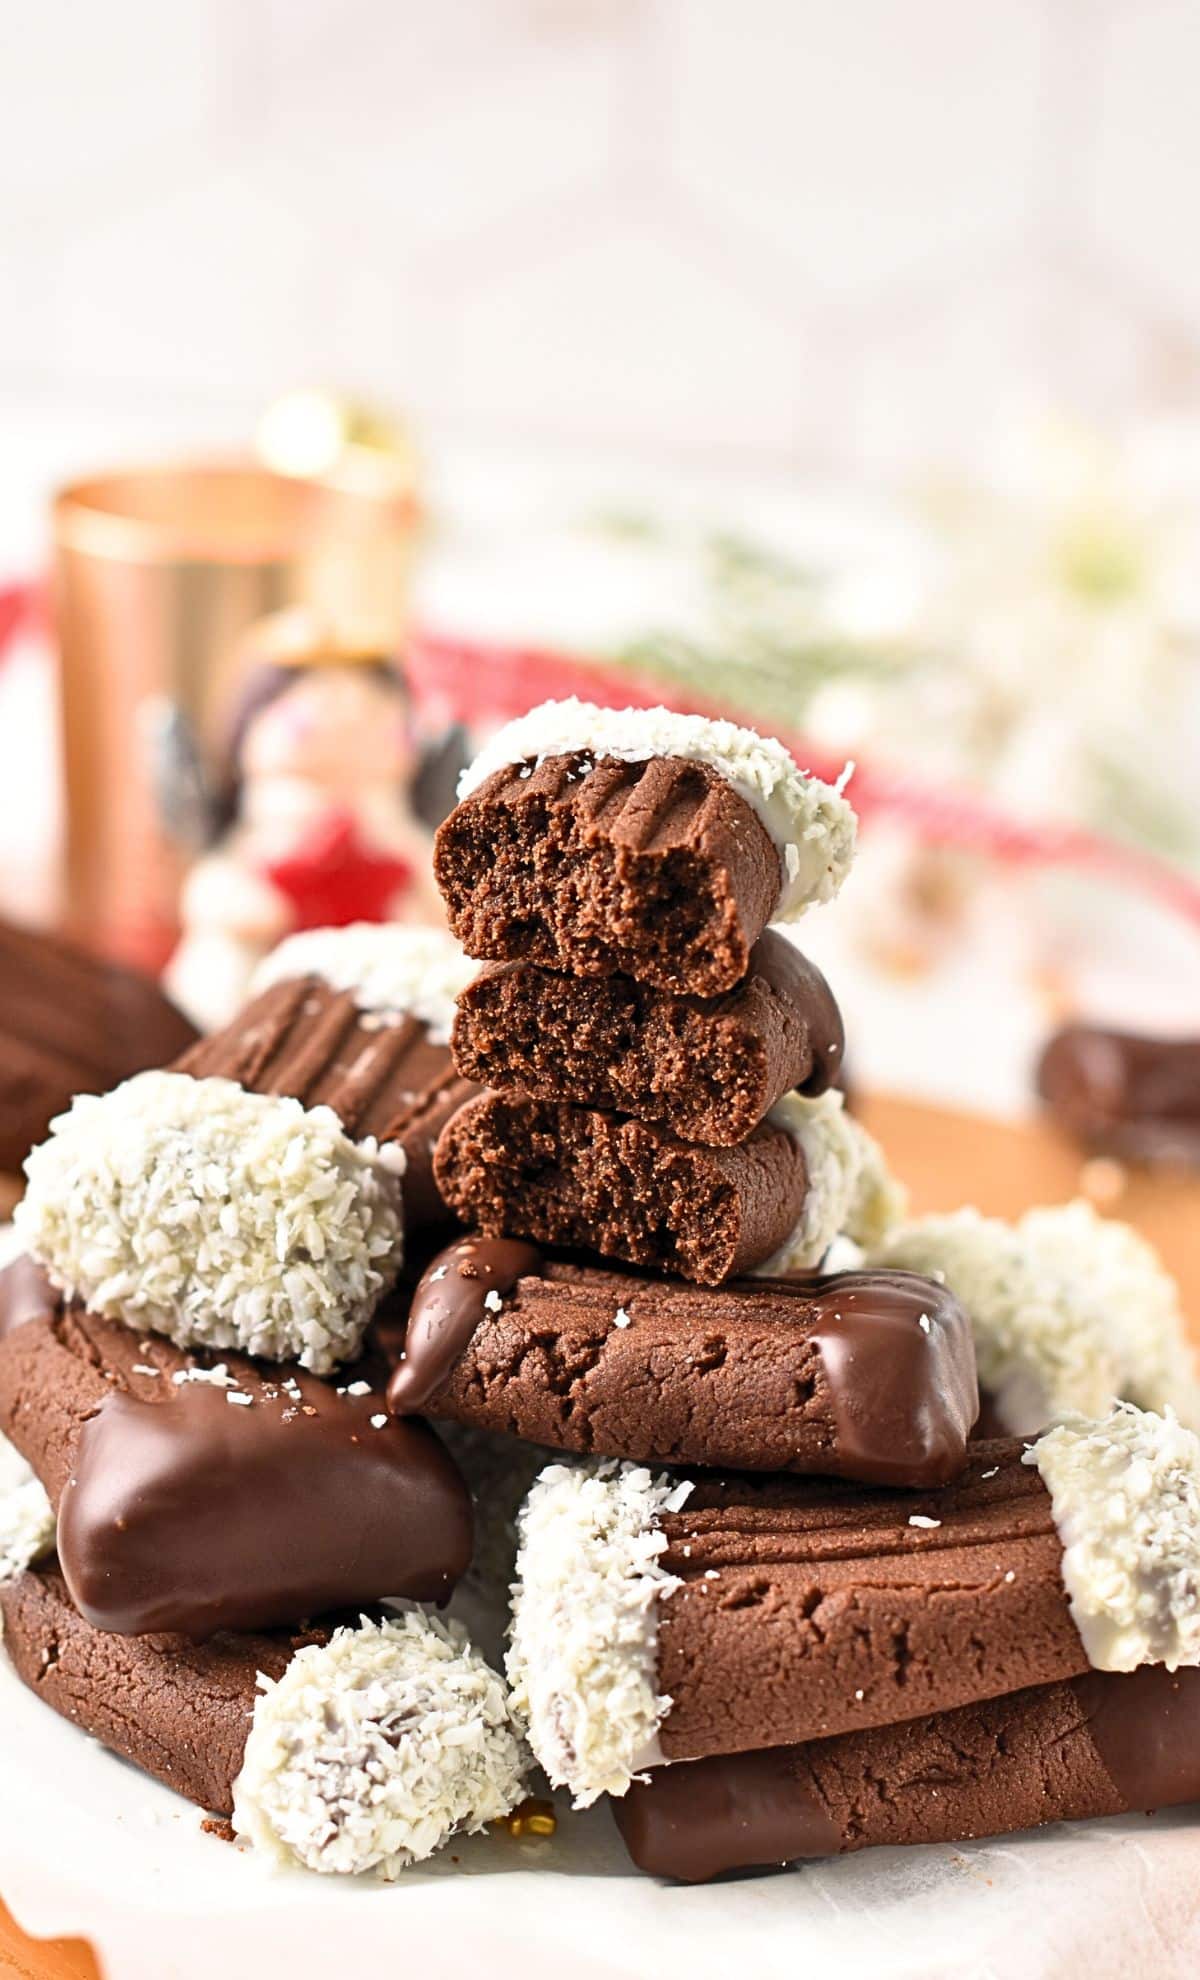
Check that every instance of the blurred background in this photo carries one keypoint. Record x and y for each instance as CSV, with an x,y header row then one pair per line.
x,y
838,368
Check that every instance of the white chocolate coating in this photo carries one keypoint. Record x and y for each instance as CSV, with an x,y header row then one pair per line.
x,y
395,969
850,1191
1126,1500
584,1636
1069,1310
810,822
27,1523
217,1217
374,1749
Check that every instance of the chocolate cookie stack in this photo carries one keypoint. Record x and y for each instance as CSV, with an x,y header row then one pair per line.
x,y
639,1025
767,1595
659,1066
664,1101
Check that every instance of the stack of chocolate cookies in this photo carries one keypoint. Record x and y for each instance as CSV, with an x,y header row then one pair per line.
x,y
767,1595
660,1064
839,1665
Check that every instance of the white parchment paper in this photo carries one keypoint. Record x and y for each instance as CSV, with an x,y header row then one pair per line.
x,y
89,1846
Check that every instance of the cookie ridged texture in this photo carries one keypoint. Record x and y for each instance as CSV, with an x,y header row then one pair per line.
x,y
373,1749
1069,1310
217,1217
395,970
811,824
1126,1499
583,1656
850,1190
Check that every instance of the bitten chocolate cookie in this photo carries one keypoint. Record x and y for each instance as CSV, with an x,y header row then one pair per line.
x,y
630,1190
512,1165
70,1023
1125,1094
866,1375
338,1749
1101,1744
357,1019
636,842
197,1495
676,1619
707,1068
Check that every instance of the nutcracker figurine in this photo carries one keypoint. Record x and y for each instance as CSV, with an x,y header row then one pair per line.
x,y
314,824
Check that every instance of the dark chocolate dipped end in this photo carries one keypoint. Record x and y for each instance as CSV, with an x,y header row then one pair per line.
x,y
1103,1744
222,1509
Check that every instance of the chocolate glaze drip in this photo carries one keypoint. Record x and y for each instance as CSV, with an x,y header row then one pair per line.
x,y
449,1304
26,1293
891,1429
1146,1728
381,1075
1126,1094
196,1514
793,977
738,1812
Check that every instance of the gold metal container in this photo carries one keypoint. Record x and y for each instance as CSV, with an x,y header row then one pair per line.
x,y
157,576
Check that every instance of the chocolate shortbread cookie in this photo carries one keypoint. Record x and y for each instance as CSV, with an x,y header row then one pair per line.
x,y
708,1068
197,1495
675,1619
70,1023
865,1375
179,1710
1124,1094
628,1189
636,842
515,1166
357,1019
341,1749
1102,1744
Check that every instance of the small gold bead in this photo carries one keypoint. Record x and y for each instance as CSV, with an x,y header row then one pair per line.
x,y
529,1818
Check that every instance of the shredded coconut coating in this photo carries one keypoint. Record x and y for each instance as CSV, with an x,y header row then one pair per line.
x,y
374,1749
1069,1310
27,1524
1126,1499
217,1217
584,1635
850,1192
395,970
810,822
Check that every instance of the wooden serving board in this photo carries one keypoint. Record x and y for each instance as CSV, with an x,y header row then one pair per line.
x,y
946,1159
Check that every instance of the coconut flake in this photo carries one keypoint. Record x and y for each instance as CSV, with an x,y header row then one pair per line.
x,y
850,1193
27,1523
391,970
584,1634
217,1217
1069,1310
810,822
1126,1499
373,1749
